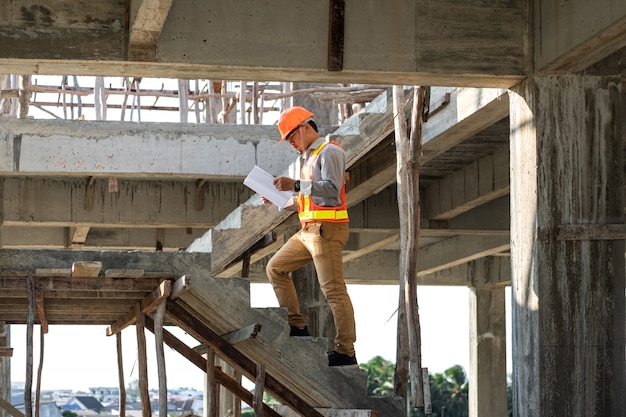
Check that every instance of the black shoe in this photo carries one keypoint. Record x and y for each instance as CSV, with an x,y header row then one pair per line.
x,y
298,332
341,359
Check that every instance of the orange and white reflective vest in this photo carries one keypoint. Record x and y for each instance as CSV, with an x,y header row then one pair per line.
x,y
307,209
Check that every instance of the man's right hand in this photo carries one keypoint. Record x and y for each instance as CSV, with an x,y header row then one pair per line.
x,y
265,201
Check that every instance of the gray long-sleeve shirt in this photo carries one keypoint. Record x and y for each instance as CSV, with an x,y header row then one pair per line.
x,y
328,174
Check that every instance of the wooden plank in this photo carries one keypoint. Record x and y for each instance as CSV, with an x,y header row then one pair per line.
x,y
80,235
88,269
124,273
179,286
195,358
97,286
53,272
328,412
146,305
6,352
10,409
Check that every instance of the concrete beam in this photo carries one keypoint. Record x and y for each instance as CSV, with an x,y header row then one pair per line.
x,y
147,19
120,238
475,184
165,150
166,264
137,203
574,35
393,42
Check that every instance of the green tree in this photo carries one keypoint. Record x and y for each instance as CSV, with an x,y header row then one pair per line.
x,y
379,377
68,413
448,394
132,389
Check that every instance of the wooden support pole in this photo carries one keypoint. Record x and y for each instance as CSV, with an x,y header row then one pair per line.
x,y
259,389
206,335
120,375
143,364
211,385
39,371
408,152
195,358
159,320
30,322
5,363
243,91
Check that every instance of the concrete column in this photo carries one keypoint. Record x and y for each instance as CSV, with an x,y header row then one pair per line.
x,y
567,268
313,304
487,374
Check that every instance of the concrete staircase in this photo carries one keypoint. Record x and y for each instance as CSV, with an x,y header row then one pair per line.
x,y
214,306
222,304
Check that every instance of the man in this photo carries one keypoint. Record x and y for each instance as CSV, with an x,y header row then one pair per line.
x,y
321,205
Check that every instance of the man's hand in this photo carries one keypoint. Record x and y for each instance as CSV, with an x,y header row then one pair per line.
x,y
265,201
284,183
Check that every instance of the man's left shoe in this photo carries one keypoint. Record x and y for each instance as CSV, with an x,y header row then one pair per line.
x,y
341,359
299,332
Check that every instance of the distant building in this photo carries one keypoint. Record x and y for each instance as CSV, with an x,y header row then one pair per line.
x,y
85,405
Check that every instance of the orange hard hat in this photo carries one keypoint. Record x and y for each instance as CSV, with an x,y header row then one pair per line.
x,y
291,118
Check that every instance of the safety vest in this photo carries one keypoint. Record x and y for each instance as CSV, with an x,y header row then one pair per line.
x,y
308,210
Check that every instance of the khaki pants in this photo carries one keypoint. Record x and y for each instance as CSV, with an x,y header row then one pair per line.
x,y
322,243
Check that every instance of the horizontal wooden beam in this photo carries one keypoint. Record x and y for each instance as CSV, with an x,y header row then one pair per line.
x,y
146,305
6,352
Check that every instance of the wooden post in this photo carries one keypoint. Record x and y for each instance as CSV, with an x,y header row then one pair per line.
x,y
39,370
259,389
408,154
183,100
30,321
159,319
120,373
5,367
243,87
143,364
24,96
210,404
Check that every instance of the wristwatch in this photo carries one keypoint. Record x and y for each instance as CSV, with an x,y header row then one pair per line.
x,y
296,186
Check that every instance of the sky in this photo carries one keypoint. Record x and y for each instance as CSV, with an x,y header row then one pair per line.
x,y
80,357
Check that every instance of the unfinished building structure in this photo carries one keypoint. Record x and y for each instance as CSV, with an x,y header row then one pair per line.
x,y
521,177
